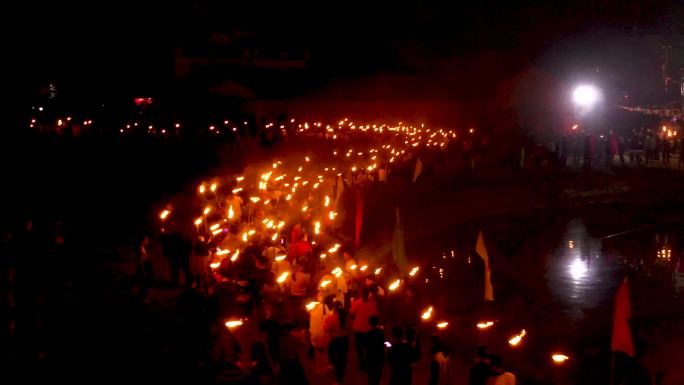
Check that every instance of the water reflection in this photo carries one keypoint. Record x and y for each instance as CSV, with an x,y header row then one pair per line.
x,y
583,271
578,274
578,269
576,261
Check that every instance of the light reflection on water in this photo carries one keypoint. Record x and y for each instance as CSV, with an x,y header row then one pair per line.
x,y
577,270
577,274
583,271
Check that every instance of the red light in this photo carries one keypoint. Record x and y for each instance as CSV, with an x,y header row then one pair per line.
x,y
141,101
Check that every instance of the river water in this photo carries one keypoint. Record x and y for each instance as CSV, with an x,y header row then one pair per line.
x,y
556,275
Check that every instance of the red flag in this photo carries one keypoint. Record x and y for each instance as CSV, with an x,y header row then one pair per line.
x,y
622,336
359,216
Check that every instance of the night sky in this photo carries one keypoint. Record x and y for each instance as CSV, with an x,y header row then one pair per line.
x,y
122,47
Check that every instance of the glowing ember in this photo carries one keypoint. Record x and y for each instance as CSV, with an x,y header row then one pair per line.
x,y
516,339
215,265
206,210
280,258
283,277
427,314
325,282
222,252
233,324
237,190
311,305
442,325
485,324
317,227
559,358
364,268
334,248
198,221
274,237
164,214
378,271
394,285
327,201
202,189
215,226
213,187
234,257
414,271
337,272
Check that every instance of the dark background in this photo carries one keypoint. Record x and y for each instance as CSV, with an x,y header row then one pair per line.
x,y
102,49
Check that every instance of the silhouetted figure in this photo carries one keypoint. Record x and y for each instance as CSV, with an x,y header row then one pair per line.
x,y
361,311
479,372
145,272
199,264
588,150
621,150
375,351
273,329
400,357
291,346
440,372
260,368
226,355
338,348
498,375
613,147
667,148
172,245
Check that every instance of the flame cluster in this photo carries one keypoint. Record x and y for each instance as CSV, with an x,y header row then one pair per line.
x,y
310,186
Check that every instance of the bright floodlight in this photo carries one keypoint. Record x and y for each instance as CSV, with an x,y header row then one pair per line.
x,y
585,95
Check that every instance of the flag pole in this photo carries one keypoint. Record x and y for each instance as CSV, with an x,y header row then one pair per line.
x,y
612,368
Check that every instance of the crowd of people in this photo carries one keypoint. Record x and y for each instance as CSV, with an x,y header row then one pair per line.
x,y
641,147
278,259
269,249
